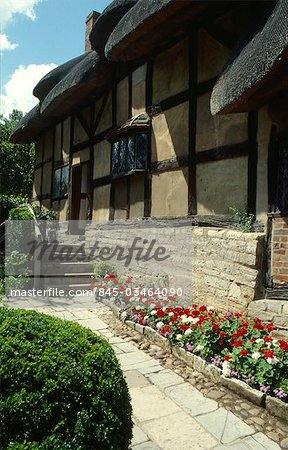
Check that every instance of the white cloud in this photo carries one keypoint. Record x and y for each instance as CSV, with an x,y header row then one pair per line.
x,y
8,8
17,92
5,44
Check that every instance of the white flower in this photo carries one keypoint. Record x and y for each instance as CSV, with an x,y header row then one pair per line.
x,y
153,312
188,331
210,308
171,314
146,318
199,348
272,361
159,325
256,355
178,337
275,342
183,317
195,320
259,340
226,369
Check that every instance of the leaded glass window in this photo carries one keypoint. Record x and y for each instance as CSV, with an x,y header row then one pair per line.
x,y
60,182
129,153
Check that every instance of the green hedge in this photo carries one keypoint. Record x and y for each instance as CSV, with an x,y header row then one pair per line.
x,y
61,386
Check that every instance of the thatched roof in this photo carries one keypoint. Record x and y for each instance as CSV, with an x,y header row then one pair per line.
x,y
131,29
147,23
248,79
107,21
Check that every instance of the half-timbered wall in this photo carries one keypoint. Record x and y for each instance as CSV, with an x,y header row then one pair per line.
x,y
197,164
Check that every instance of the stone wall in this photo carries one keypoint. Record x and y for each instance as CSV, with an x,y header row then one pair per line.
x,y
275,311
215,266
280,250
227,267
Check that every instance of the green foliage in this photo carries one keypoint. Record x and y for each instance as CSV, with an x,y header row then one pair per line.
x,y
61,385
42,213
8,202
245,222
102,268
20,213
17,161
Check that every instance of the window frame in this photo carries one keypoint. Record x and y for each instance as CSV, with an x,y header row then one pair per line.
x,y
60,195
126,137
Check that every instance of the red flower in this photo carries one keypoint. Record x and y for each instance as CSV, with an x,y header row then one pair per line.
x,y
270,327
243,353
195,313
237,344
227,358
222,334
183,327
252,340
215,327
165,329
221,342
202,308
283,345
242,331
172,319
267,339
268,354
258,326
237,315
160,313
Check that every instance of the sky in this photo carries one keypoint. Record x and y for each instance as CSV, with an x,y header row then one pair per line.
x,y
35,37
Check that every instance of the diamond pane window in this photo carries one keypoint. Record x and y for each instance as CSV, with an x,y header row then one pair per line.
x,y
129,153
115,151
141,151
60,182
122,156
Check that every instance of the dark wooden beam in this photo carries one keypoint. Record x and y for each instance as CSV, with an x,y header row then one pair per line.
x,y
84,123
252,162
225,152
193,52
130,92
53,162
102,181
169,103
99,115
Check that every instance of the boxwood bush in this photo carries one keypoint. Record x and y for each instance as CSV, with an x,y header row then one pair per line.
x,y
61,386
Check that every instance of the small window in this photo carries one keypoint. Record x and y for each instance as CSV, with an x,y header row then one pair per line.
x,y
129,154
60,182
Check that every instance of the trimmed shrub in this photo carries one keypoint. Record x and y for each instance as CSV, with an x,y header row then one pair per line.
x,y
61,386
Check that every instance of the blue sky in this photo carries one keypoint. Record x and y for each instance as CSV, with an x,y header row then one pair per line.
x,y
35,36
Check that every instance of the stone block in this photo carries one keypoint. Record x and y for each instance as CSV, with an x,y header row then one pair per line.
x,y
139,328
130,324
277,407
182,354
243,390
200,364
157,339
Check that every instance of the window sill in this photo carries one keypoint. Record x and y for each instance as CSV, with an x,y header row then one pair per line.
x,y
128,174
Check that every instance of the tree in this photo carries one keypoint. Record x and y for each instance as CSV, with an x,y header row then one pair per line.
x,y
17,161
16,168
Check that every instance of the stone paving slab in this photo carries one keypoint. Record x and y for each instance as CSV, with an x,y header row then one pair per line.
x,y
135,379
139,437
125,347
191,400
150,403
225,426
178,431
133,360
165,378
93,324
260,442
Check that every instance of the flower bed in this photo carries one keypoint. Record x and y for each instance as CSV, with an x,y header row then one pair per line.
x,y
242,348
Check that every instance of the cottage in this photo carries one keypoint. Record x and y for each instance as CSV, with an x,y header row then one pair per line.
x,y
177,111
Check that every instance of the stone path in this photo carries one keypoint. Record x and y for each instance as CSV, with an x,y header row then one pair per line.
x,y
168,412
